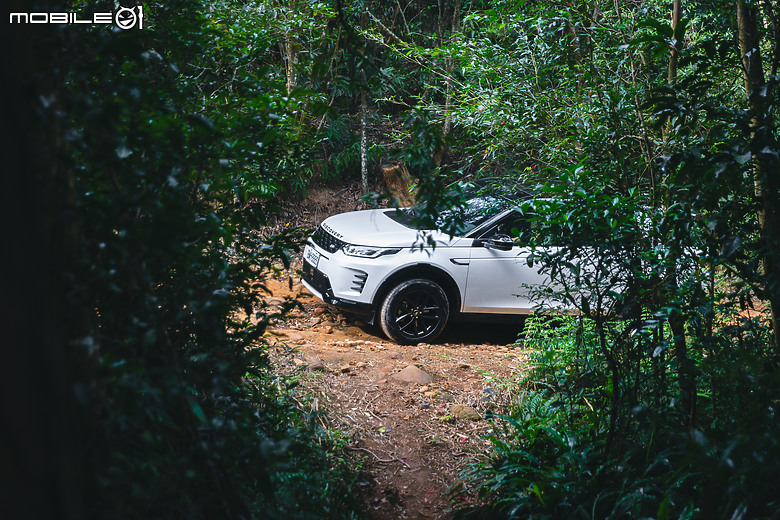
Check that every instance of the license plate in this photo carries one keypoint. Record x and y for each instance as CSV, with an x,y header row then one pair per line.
x,y
311,256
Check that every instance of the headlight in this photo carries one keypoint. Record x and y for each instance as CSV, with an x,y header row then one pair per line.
x,y
369,252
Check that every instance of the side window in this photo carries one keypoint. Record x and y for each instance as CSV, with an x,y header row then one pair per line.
x,y
514,226
521,228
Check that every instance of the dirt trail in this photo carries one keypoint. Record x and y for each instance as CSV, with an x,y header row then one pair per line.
x,y
414,433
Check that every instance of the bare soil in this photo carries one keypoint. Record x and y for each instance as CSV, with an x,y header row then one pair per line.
x,y
412,437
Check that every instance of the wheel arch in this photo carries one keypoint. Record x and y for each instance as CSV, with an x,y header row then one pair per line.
x,y
428,271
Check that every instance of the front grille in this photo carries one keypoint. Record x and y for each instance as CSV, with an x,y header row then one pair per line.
x,y
316,278
327,241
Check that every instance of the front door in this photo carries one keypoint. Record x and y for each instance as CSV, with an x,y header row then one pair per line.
x,y
502,282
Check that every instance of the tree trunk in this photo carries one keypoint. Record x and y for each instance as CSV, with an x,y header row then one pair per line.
x,y
450,62
766,169
47,470
363,138
450,68
615,376
676,15
291,59
686,375
290,54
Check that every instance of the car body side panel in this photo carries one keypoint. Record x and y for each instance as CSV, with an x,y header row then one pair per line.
x,y
359,279
489,281
501,282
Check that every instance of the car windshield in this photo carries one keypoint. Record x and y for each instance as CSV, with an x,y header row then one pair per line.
x,y
475,211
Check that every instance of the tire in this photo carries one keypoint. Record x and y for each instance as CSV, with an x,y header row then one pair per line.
x,y
414,311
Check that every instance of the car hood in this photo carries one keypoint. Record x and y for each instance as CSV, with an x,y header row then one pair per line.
x,y
374,227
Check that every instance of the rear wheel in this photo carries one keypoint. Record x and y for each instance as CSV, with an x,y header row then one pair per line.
x,y
414,311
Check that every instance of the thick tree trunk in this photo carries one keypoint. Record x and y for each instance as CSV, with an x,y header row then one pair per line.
x,y
47,470
766,169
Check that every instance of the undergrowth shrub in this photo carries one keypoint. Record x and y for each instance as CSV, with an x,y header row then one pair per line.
x,y
310,471
166,402
550,458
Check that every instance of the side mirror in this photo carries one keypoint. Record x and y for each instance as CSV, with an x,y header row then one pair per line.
x,y
501,243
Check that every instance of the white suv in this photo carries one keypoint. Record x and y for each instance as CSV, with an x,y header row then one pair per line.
x,y
412,281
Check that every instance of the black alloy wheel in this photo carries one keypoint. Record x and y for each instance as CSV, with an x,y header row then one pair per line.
x,y
414,311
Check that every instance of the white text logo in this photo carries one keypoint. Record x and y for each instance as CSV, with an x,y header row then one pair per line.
x,y
124,18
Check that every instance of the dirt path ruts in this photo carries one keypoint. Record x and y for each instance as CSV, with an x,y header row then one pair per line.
x,y
407,429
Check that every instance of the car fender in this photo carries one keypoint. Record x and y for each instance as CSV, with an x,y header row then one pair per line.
x,y
422,270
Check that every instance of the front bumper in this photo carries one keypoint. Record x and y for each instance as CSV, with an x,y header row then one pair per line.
x,y
356,283
335,283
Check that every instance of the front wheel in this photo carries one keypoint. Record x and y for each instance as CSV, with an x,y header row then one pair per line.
x,y
414,311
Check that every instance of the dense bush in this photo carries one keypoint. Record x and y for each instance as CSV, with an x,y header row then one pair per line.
x,y
551,456
166,405
660,399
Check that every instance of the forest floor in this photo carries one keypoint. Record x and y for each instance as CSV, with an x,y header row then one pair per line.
x,y
415,429
413,416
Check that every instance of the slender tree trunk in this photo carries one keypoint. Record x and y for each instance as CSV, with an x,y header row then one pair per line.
x,y
686,374
363,137
291,57
450,68
766,170
290,54
614,371
673,57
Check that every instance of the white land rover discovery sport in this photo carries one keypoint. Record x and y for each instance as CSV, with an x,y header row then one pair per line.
x,y
374,262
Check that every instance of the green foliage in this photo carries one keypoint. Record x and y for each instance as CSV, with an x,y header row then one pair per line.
x,y
657,400
550,457
343,150
150,138
662,392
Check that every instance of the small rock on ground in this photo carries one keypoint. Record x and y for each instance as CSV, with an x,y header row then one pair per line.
x,y
413,374
464,412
